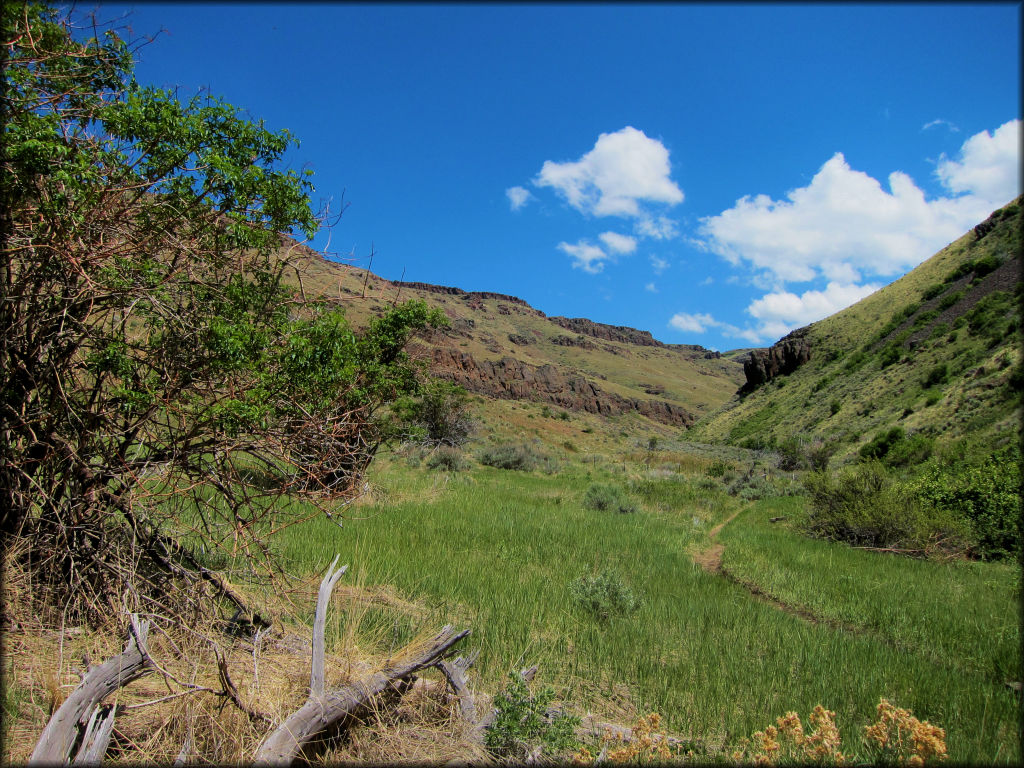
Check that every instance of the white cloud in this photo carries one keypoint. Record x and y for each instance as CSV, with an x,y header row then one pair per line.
x,y
590,258
698,323
651,287
844,225
618,243
658,228
659,265
783,308
940,121
989,165
518,197
623,170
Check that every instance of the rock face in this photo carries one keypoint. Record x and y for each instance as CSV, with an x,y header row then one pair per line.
x,y
782,358
509,378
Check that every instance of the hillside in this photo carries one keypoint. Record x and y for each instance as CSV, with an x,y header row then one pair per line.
x,y
500,347
936,353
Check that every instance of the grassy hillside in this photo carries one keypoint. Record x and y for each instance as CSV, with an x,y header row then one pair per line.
x,y
622,362
936,352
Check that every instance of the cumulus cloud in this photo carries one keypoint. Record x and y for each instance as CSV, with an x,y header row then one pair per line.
x,y
696,323
659,264
586,256
989,165
651,287
613,241
517,197
781,311
845,225
622,171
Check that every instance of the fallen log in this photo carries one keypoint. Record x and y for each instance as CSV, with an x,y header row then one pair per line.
x,y
80,715
321,715
326,713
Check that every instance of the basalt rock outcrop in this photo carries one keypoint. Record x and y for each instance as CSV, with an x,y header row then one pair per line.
x,y
509,378
782,358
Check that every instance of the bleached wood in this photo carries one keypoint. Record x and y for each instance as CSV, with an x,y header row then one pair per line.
x,y
61,732
321,715
316,677
455,673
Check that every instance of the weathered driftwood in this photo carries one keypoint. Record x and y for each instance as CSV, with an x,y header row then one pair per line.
x,y
79,714
324,712
321,715
455,673
316,678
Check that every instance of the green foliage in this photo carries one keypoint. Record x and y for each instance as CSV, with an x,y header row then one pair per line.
x,y
865,506
936,376
448,459
608,498
988,494
896,449
510,456
153,228
882,442
950,299
889,355
932,291
523,722
834,407
439,415
604,595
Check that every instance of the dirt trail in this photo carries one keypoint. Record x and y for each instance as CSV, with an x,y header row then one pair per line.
x,y
710,559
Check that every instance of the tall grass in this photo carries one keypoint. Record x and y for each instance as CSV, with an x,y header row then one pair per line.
x,y
499,551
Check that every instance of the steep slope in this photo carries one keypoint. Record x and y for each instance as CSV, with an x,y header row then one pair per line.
x,y
936,352
500,347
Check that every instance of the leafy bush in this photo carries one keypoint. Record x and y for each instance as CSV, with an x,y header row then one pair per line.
x,y
604,498
937,375
509,456
523,722
891,354
988,495
882,442
865,506
834,407
797,453
932,291
950,299
446,458
896,449
604,595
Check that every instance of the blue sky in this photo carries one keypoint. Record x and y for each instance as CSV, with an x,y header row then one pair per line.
x,y
716,174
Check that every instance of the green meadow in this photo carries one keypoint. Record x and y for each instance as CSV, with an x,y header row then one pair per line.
x,y
787,624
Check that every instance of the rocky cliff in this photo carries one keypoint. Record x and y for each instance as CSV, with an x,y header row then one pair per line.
x,y
782,358
510,378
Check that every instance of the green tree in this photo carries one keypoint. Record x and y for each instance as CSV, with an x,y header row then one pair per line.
x,y
160,382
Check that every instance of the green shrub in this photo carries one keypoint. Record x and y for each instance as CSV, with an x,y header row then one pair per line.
x,y
523,722
866,507
448,459
882,442
510,456
718,468
932,291
910,451
932,397
937,375
891,354
605,498
987,495
834,407
604,595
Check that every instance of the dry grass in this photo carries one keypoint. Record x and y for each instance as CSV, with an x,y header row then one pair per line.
x,y
184,701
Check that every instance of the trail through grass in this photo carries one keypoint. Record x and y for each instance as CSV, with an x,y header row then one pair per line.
x,y
498,551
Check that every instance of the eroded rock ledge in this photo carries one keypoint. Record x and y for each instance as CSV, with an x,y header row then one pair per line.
x,y
509,378
781,359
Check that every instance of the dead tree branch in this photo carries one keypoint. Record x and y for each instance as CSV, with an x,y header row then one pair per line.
x,y
79,713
